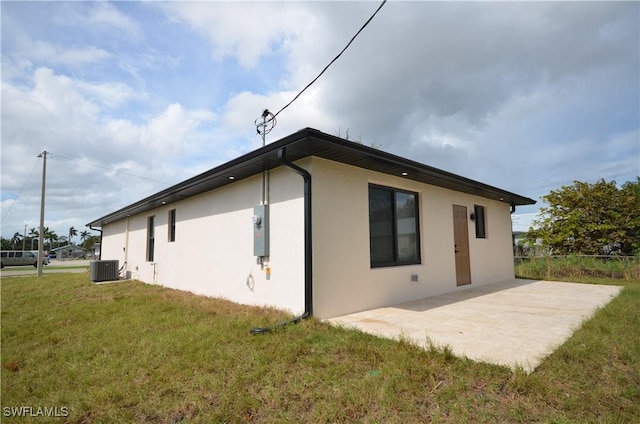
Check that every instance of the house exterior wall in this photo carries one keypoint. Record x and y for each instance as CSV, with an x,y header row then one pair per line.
x,y
213,249
344,281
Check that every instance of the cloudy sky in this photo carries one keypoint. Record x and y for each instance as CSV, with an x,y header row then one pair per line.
x,y
132,97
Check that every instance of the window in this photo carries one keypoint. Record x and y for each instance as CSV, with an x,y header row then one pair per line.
x,y
150,238
172,225
393,227
481,229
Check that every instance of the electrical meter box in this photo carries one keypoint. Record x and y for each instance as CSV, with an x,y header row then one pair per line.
x,y
261,230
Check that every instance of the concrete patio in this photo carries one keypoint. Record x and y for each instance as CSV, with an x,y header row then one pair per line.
x,y
510,323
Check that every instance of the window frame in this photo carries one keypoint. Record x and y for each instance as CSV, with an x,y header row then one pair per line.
x,y
151,242
480,221
172,225
393,191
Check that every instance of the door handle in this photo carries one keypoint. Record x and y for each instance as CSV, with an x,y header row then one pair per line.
x,y
455,248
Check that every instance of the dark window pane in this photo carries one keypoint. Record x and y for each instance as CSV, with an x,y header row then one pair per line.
x,y
150,238
480,222
393,227
172,225
381,226
406,227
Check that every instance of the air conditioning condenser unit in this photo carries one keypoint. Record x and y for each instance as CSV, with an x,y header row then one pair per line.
x,y
103,270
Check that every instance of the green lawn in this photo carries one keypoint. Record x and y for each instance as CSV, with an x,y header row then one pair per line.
x,y
45,268
131,352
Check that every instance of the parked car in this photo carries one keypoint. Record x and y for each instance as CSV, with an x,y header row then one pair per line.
x,y
20,258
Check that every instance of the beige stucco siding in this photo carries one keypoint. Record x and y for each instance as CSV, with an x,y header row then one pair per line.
x,y
344,281
213,250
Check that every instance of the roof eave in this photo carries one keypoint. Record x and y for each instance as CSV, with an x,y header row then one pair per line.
x,y
311,142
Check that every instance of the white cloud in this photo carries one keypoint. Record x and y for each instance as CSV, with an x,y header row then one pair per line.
x,y
42,51
86,149
524,96
246,32
109,94
101,16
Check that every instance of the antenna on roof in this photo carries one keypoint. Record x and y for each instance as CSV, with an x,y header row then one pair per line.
x,y
264,124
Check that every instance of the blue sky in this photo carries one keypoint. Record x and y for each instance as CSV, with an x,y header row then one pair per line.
x,y
131,97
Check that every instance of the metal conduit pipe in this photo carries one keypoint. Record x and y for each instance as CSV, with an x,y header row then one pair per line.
x,y
308,252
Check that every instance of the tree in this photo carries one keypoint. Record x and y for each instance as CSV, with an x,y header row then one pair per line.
x,y
16,240
590,219
72,232
83,236
5,244
51,236
90,241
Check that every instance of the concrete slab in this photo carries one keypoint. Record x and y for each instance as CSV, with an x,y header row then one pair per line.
x,y
512,323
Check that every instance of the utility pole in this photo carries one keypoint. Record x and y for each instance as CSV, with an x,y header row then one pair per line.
x,y
24,237
42,155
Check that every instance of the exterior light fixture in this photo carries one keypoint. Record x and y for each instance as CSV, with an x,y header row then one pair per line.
x,y
231,177
404,174
472,216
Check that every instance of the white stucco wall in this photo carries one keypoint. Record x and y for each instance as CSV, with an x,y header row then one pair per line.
x,y
344,281
213,251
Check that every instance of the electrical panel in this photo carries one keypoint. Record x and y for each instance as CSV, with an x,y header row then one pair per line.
x,y
261,231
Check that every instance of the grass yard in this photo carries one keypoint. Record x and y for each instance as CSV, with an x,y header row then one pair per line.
x,y
131,352
45,268
579,268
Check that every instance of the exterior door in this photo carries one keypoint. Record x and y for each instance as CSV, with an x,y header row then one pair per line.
x,y
461,245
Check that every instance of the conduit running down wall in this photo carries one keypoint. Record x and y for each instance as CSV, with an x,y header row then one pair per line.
x,y
308,253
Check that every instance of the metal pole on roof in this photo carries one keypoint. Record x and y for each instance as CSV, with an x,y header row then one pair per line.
x,y
263,127
42,155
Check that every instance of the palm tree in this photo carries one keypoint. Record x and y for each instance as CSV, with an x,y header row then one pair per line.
x,y
34,233
16,239
84,235
46,235
72,232
52,237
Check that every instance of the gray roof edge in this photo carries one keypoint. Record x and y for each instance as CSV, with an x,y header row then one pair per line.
x,y
310,134
421,166
253,155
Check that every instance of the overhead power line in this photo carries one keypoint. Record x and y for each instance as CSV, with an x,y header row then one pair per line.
x,y
20,191
107,168
334,59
